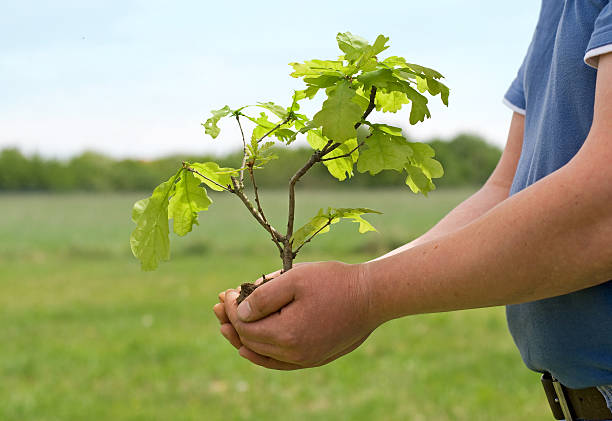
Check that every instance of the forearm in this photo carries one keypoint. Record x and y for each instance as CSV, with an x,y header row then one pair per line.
x,y
495,190
469,210
550,239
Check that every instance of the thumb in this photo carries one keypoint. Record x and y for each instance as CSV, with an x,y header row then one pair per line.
x,y
267,299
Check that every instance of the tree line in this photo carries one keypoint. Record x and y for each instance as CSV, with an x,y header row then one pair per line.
x,y
467,159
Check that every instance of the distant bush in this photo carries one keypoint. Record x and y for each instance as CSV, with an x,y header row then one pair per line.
x,y
467,159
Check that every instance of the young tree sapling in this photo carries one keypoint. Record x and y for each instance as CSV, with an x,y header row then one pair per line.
x,y
355,84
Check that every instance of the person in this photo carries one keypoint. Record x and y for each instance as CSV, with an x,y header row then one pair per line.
x,y
536,237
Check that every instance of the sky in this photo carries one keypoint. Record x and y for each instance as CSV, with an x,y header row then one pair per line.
x,y
136,78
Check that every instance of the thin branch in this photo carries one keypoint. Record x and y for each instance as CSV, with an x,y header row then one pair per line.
x,y
285,121
296,177
345,155
188,168
278,246
277,237
312,236
259,208
288,254
325,151
244,150
370,107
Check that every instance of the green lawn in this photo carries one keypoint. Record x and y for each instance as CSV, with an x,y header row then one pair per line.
x,y
85,335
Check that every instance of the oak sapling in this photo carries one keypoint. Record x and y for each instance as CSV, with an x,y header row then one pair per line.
x,y
355,84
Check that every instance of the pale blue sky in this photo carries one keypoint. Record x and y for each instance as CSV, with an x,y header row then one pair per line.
x,y
136,78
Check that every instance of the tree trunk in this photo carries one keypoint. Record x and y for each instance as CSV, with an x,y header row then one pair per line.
x,y
287,256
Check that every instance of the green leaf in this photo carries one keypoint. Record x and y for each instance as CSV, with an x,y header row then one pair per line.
x,y
391,130
339,114
309,93
210,173
369,66
434,87
139,208
380,45
390,102
323,81
305,126
285,135
279,111
419,110
259,131
422,84
422,168
394,61
316,68
444,92
386,79
380,78
432,168
368,61
405,74
421,151
316,139
260,153
188,200
320,223
362,101
418,181
149,240
262,121
430,73
263,126
353,46
355,215
210,126
384,152
340,168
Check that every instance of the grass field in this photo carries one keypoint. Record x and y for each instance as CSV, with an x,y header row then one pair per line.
x,y
85,335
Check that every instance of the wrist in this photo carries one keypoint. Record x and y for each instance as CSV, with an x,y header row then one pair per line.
x,y
374,302
395,286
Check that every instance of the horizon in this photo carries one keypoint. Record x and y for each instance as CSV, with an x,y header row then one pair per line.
x,y
133,80
216,154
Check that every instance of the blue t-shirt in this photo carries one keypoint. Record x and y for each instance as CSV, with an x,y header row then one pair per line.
x,y
569,336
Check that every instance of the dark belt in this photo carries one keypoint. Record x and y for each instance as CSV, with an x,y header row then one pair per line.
x,y
573,404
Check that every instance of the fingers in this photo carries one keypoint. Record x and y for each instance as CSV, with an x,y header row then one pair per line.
x,y
257,358
266,362
219,310
228,331
266,349
264,331
267,299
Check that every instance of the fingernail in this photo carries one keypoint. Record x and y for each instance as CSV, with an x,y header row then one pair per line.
x,y
231,295
244,310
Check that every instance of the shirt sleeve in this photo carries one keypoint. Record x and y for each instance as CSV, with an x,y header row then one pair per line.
x,y
601,39
515,95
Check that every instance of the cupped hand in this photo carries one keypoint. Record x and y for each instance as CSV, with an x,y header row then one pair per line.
x,y
306,317
227,330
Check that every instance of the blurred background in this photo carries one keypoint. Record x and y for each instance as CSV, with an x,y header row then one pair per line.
x,y
101,100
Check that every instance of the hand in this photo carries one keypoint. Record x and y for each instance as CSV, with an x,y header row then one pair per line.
x,y
306,317
227,330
